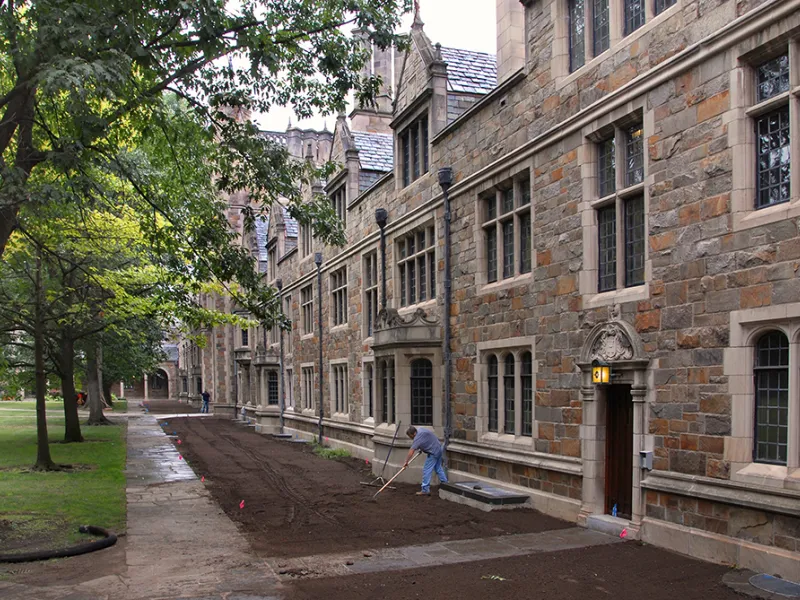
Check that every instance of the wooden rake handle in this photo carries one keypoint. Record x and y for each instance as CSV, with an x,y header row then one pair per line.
x,y
396,475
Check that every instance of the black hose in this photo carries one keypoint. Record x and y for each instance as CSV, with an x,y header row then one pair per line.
x,y
108,540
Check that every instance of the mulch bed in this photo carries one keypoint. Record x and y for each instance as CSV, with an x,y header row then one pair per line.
x,y
628,571
298,504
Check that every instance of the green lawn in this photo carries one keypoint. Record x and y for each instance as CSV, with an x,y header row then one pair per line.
x,y
39,510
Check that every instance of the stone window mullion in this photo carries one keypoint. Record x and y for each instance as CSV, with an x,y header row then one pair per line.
x,y
794,404
518,394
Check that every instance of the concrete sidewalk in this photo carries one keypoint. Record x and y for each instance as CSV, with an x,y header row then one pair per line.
x,y
179,544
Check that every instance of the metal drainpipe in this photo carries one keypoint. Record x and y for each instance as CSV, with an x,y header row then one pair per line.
x,y
279,285
445,181
380,217
318,262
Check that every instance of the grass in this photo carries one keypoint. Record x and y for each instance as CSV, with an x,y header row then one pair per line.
x,y
120,405
43,510
330,453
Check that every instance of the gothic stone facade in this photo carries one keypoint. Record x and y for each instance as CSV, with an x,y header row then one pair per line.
x,y
626,190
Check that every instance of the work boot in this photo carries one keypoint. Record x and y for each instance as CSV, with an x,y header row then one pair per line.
x,y
423,493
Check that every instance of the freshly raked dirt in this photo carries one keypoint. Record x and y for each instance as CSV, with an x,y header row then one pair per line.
x,y
627,571
298,504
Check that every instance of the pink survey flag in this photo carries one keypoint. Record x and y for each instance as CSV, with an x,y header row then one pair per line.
x,y
241,504
180,457
623,534
202,479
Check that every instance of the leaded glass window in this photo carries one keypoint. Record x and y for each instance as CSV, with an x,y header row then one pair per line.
x,y
634,156
606,170
601,30
509,397
272,388
421,392
662,5
773,78
607,234
577,37
493,392
417,253
634,15
773,158
771,373
526,379
634,241
507,231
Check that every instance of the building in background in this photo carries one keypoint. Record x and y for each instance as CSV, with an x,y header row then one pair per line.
x,y
626,192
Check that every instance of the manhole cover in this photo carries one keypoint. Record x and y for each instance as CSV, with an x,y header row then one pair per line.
x,y
775,585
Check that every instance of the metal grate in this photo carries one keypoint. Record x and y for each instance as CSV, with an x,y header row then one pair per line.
x,y
607,241
634,241
526,380
771,372
493,392
606,168
601,33
509,398
773,158
577,37
421,392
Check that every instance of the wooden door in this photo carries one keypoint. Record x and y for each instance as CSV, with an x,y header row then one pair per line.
x,y
619,451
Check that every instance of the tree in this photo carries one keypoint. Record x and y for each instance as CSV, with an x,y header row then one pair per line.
x,y
130,350
79,77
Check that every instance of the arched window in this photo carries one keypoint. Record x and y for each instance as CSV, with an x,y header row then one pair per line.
x,y
526,379
272,387
771,371
509,399
421,392
493,392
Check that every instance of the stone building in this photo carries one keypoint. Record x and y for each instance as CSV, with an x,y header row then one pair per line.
x,y
624,192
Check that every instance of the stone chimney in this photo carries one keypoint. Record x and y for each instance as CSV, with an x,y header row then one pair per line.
x,y
510,38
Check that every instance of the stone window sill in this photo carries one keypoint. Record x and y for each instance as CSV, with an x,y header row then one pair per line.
x,y
307,336
342,417
768,476
338,328
631,294
504,284
508,441
766,216
407,310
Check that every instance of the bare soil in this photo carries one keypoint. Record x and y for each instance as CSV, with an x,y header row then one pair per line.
x,y
628,571
164,407
298,504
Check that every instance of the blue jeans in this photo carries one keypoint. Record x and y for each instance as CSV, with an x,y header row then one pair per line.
x,y
432,463
204,409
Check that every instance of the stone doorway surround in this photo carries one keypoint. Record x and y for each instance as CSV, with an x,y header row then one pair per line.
x,y
617,343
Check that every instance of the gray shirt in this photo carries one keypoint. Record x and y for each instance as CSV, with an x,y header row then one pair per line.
x,y
427,442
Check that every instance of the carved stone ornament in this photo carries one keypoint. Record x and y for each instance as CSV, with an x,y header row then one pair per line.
x,y
389,318
612,344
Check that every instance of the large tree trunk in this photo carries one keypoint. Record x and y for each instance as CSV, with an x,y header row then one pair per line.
x,y
96,416
72,425
43,460
107,385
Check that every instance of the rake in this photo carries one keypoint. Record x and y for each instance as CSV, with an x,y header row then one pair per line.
x,y
396,475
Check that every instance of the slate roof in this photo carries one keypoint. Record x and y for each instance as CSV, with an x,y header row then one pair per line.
x,y
292,228
375,150
470,72
262,229
171,350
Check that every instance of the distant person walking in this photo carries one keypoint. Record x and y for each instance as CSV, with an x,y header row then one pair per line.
x,y
206,397
427,442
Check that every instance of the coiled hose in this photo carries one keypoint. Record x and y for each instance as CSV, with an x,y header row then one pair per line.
x,y
108,540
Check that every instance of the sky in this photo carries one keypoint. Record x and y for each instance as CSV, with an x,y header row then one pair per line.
x,y
465,24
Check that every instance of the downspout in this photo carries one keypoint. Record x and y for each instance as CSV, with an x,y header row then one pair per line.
x,y
445,181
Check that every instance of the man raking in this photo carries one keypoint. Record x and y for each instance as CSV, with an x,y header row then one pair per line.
x,y
427,442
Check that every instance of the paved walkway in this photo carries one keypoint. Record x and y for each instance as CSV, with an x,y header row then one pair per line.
x,y
181,546
440,553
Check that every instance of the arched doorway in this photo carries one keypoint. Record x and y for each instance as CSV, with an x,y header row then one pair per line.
x,y
614,419
158,385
